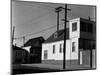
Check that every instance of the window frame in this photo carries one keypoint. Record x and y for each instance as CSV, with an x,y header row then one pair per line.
x,y
73,46
74,26
61,48
45,54
54,49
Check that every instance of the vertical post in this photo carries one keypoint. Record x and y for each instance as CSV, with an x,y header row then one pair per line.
x,y
23,40
57,21
13,34
64,50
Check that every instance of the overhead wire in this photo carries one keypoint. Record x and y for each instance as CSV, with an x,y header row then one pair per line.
x,y
35,4
39,18
38,31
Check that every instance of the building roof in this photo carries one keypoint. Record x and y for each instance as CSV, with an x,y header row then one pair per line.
x,y
35,42
58,35
17,48
86,20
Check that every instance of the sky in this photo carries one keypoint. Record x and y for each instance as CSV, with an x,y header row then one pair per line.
x,y
34,19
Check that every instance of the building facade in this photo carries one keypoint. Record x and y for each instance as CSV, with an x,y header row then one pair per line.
x,y
20,56
34,46
80,36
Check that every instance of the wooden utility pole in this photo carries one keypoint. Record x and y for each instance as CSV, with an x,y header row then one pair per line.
x,y
64,49
13,34
23,40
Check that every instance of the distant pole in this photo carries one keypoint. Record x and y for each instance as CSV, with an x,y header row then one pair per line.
x,y
13,34
64,50
89,18
23,40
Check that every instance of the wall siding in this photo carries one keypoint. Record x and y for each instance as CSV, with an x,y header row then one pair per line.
x,y
74,33
59,56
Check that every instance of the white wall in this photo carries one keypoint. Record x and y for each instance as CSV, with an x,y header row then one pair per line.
x,y
75,33
49,47
59,56
74,55
73,37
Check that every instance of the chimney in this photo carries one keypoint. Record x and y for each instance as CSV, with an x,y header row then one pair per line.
x,y
57,10
89,18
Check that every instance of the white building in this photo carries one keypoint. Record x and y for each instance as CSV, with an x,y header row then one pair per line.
x,y
78,31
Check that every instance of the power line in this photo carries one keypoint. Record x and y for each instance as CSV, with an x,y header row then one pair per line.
x,y
34,20
35,4
40,16
42,30
38,31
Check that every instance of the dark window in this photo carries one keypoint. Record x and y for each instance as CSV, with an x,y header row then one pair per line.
x,y
45,54
90,27
61,48
83,27
86,27
74,26
53,49
73,46
19,53
85,44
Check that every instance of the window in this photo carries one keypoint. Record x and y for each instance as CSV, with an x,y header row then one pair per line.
x,y
74,26
73,46
85,44
53,49
86,27
83,27
90,28
61,48
19,53
45,54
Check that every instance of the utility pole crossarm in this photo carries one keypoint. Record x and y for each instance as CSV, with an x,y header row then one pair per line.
x,y
58,9
65,8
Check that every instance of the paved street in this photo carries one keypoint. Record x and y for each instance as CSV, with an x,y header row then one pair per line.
x,y
24,69
41,68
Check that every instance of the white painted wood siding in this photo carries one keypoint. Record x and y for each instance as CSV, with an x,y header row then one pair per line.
x,y
57,55
73,34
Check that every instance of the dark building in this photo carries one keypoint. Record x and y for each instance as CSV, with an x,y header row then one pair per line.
x,y
35,49
20,56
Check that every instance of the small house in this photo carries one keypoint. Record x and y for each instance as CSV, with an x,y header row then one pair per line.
x,y
34,46
80,39
19,55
